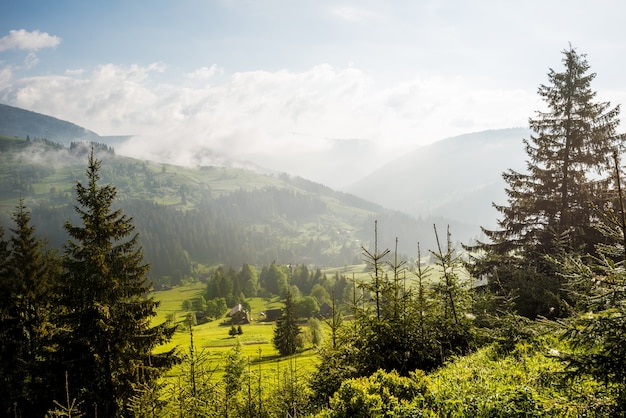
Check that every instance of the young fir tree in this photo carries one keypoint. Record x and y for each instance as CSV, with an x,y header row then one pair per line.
x,y
233,381
287,332
401,326
9,341
450,321
381,337
109,341
548,210
597,335
28,274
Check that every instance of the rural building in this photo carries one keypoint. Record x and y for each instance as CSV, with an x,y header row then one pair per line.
x,y
273,314
201,318
326,311
238,315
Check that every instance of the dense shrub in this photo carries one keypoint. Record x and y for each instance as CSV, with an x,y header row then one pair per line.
x,y
383,393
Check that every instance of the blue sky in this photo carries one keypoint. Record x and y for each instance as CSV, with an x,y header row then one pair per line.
x,y
298,85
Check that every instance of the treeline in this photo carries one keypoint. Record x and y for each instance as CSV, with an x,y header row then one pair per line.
x,y
273,279
311,289
254,227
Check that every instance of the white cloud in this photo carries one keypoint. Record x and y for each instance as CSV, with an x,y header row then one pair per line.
x,y
31,60
297,122
30,41
74,72
6,77
205,73
110,99
353,14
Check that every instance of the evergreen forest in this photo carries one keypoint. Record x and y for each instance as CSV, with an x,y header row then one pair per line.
x,y
526,320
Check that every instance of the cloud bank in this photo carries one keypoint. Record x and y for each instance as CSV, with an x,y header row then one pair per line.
x,y
331,125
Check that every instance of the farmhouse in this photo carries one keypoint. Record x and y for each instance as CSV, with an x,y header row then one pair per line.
x,y
326,311
273,314
238,315
201,318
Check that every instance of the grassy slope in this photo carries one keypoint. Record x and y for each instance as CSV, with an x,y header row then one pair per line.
x,y
57,171
215,181
528,380
63,172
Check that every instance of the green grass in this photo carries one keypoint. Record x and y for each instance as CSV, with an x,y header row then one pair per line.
x,y
212,342
358,270
171,301
529,380
62,176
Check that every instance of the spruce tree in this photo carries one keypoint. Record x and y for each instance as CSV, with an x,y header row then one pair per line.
x,y
29,272
7,332
397,325
274,279
550,206
287,332
249,279
109,341
597,335
10,383
233,375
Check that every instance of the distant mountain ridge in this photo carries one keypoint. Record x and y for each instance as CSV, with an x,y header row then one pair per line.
x,y
21,123
456,178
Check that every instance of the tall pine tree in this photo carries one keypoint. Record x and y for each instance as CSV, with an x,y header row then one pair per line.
x,y
29,272
597,335
7,332
287,332
109,340
550,206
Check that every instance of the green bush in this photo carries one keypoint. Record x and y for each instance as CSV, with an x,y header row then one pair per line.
x,y
383,393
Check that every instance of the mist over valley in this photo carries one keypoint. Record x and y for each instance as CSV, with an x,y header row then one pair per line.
x,y
233,212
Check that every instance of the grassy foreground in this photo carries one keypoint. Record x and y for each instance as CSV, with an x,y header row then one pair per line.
x,y
529,380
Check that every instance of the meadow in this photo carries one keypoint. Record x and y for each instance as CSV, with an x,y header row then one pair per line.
x,y
212,342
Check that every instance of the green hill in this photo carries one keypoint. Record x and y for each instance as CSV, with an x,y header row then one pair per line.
x,y
16,122
457,177
204,215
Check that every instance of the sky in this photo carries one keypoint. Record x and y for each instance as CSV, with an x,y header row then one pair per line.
x,y
328,90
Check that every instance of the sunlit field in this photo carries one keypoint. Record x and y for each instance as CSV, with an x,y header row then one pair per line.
x,y
212,342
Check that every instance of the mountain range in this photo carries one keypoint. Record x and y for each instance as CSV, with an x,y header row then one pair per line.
x,y
450,182
455,178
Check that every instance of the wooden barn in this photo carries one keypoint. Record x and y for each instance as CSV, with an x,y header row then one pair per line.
x,y
273,314
326,311
238,315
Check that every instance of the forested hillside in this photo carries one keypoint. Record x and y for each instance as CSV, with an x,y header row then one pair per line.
x,y
204,215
